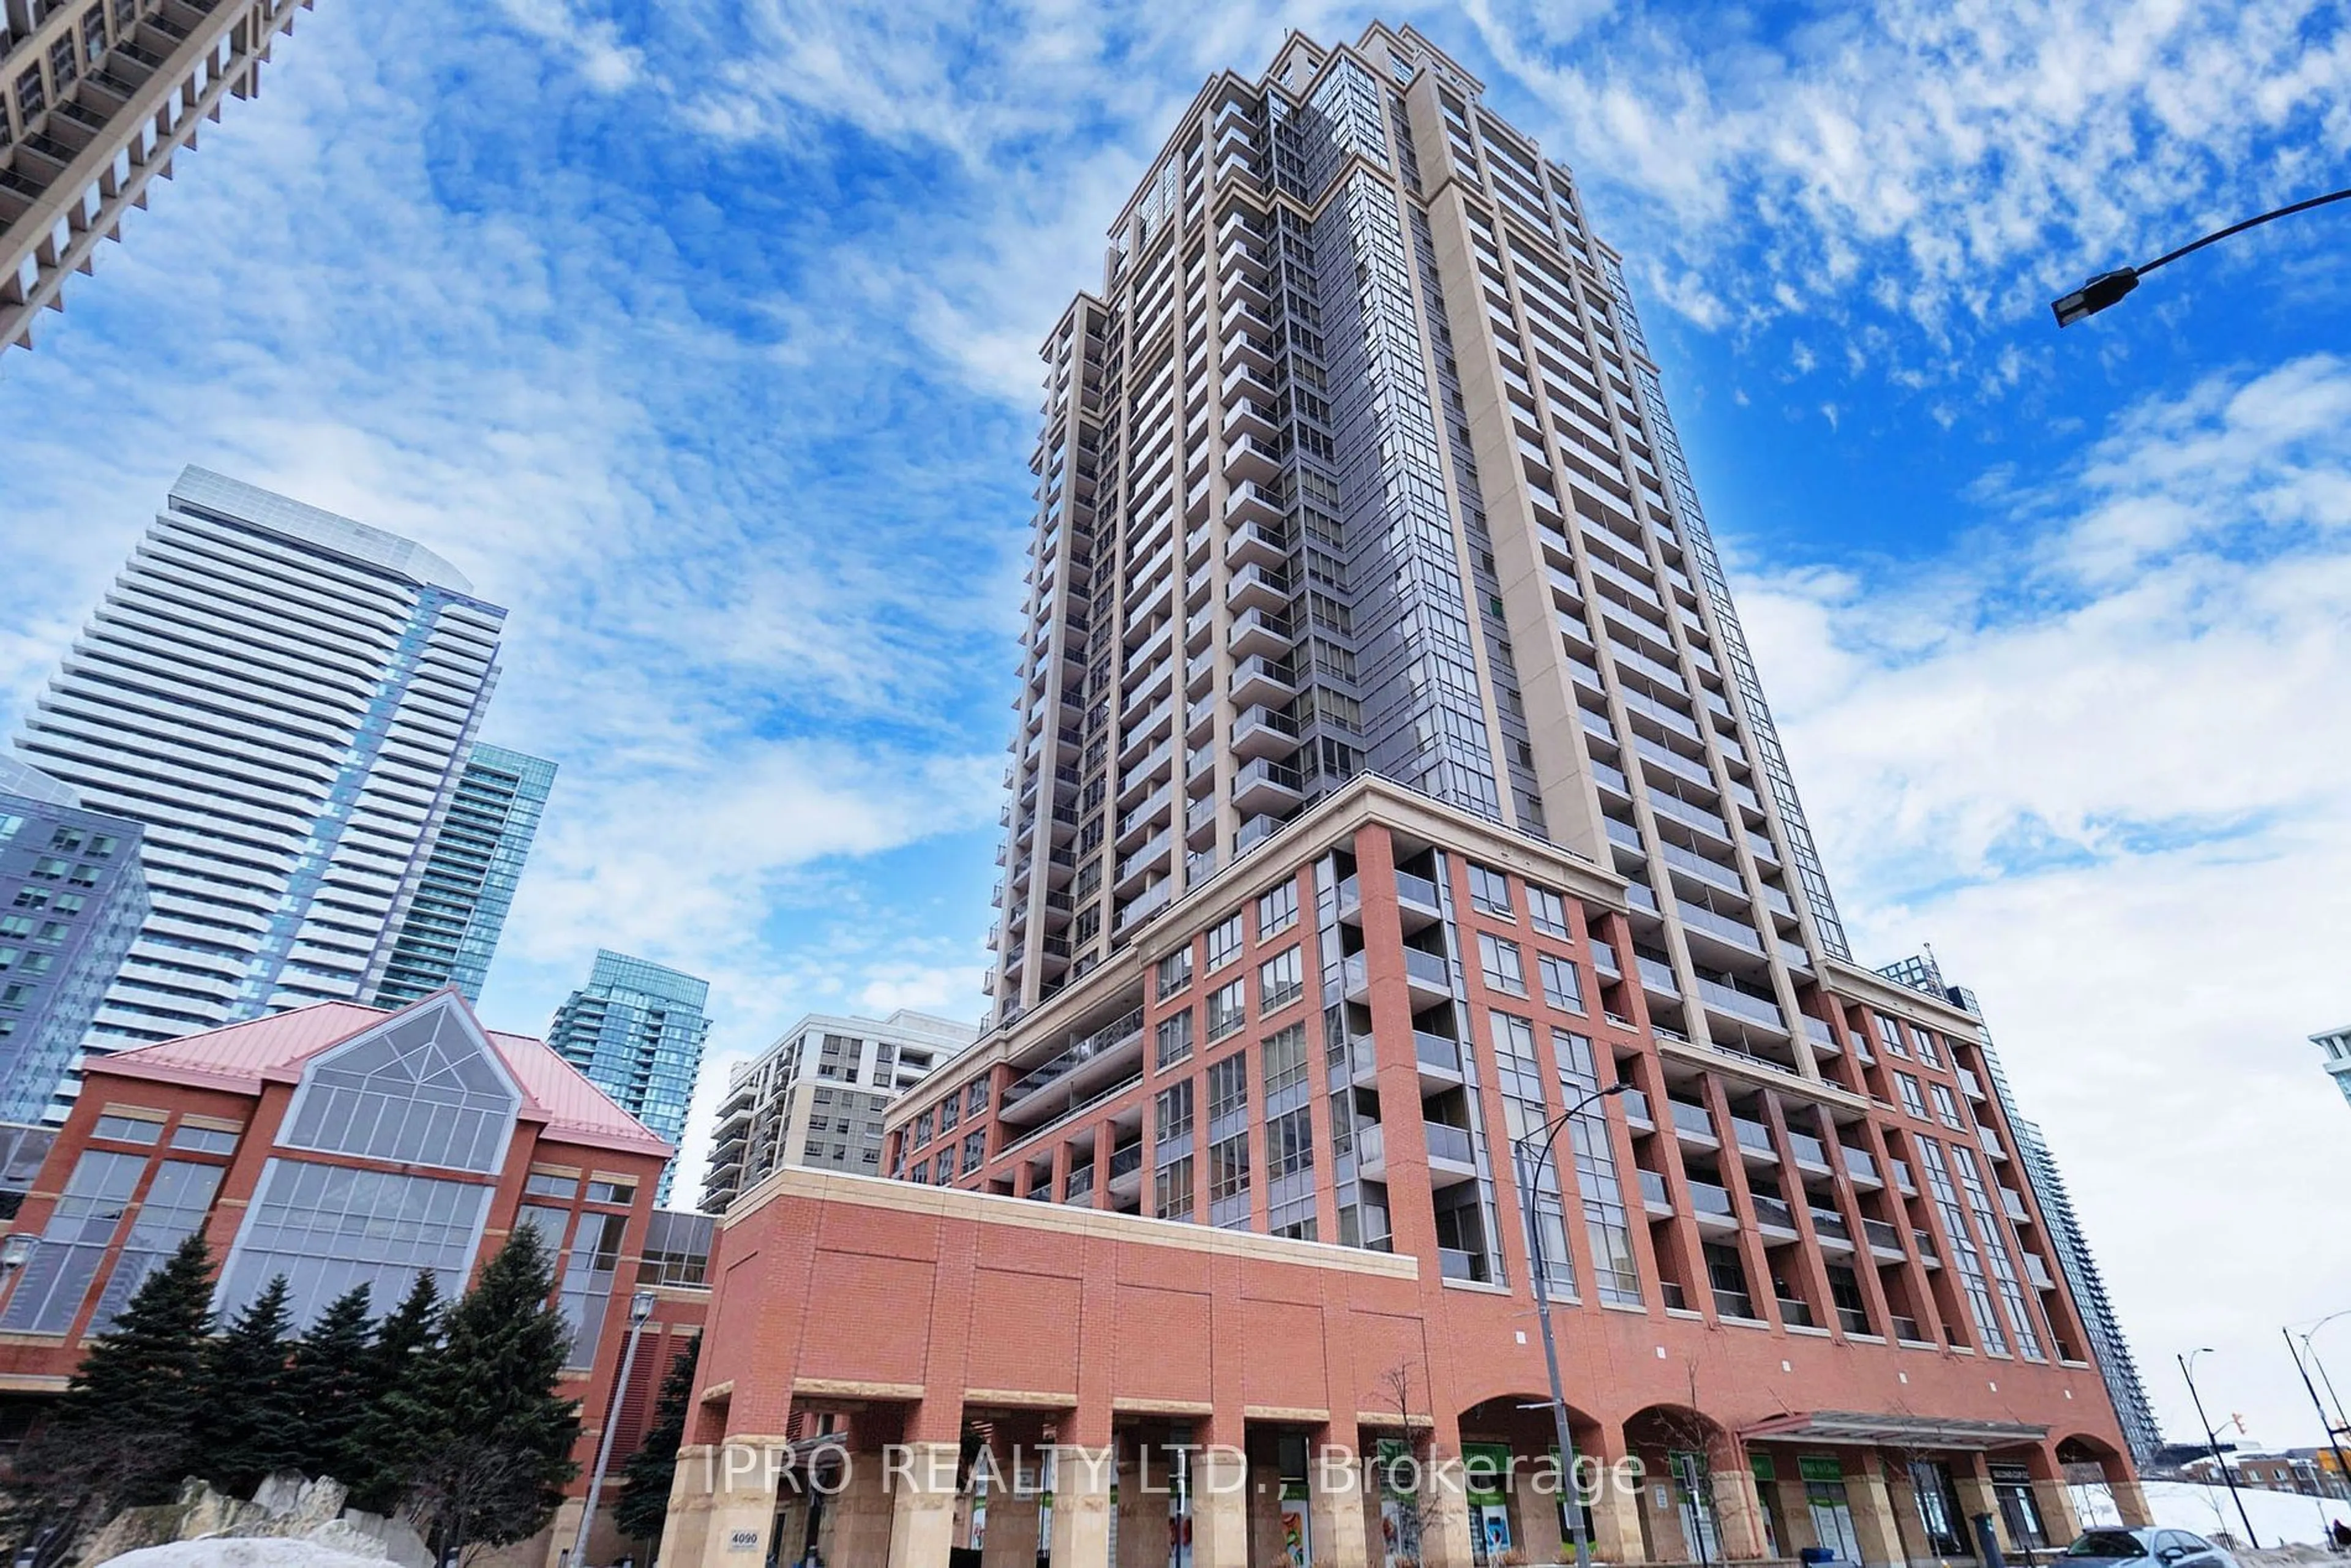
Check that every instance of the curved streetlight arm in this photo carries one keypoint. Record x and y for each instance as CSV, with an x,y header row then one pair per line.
x,y
2110,288
1529,1170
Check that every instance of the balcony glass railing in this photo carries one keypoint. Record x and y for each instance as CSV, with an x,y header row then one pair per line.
x,y
1829,1225
1429,966
1455,1264
1416,890
1808,1150
1738,1004
1446,1142
1879,1234
1436,1050
1637,1108
1852,1320
1796,1314
1691,1119
1734,1304
1707,1198
1774,1213
1653,1190
1125,1161
1906,1329
1925,1240
1902,1177
1751,1134
2013,1202
1861,1165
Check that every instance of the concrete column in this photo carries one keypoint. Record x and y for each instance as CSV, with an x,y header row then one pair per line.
x,y
1738,1511
1538,1509
1011,1539
1334,1489
1974,1486
855,1525
1220,1508
2058,1519
922,1505
2130,1502
718,1492
1445,1527
1616,1511
1145,1484
1909,1523
1876,1526
1795,1516
1081,1480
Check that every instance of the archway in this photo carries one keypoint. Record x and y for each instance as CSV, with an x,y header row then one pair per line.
x,y
2099,1482
1518,1485
1696,1507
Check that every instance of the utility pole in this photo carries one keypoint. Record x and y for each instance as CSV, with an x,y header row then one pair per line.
x,y
2212,1441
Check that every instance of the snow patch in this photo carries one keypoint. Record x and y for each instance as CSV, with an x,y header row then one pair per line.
x,y
243,1552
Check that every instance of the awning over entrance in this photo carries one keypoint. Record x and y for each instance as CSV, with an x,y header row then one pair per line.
x,y
1894,1431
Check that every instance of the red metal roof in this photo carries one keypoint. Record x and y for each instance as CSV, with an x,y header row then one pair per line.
x,y
273,1049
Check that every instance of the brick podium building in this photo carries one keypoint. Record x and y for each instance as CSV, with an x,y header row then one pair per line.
x,y
1390,776
341,1145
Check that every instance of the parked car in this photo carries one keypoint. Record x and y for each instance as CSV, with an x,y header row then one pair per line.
x,y
2148,1548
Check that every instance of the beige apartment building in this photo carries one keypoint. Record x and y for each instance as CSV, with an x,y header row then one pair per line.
x,y
101,98
817,1096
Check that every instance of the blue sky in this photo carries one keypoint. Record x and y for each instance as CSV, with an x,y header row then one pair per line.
x,y
703,337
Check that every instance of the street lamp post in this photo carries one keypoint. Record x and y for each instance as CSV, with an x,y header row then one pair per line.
x,y
1529,1170
641,1307
2335,1427
2212,1441
2108,287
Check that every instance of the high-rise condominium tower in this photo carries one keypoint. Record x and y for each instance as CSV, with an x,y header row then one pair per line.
x,y
283,697
1400,856
1357,463
2334,1045
817,1097
72,898
97,99
637,1029
453,924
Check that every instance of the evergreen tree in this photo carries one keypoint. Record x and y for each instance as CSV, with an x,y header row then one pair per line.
x,y
121,1436
246,1427
392,1424
499,1441
646,1480
327,1384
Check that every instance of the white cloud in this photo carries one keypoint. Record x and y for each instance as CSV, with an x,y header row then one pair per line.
x,y
2097,756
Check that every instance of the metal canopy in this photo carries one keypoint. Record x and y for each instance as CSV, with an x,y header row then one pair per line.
x,y
1875,1430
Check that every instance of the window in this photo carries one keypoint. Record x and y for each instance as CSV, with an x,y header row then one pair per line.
x,y
417,1089
20,927
84,876
9,826
1547,910
1174,1038
68,839
1171,1196
1171,1111
950,1113
1912,1101
48,868
31,99
1279,980
1289,1144
975,1098
1284,1057
622,1192
1948,1108
1228,1168
175,1204
974,1149
1224,944
1928,1052
538,1184
1277,911
57,1278
922,1129
585,1291
1226,1010
126,1130
1227,1087
329,1227
1890,1034
1562,987
203,1140
942,1170
1500,959
32,898
1490,892
1175,973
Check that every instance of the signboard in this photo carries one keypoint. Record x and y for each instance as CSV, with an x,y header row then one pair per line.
x,y
743,1540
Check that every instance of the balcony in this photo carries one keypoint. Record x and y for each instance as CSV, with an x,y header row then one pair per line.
x,y
1830,1226
1086,1060
1126,1170
1774,1218
1907,1330
1450,1158
1928,1254
1437,1055
1259,680
1754,1141
1654,1196
1852,1320
1455,1264
1265,785
2038,1272
1636,1109
1810,1152
1903,1180
1657,978
1796,1314
1991,1142
1429,977
1970,1083
1822,1037
1264,732
1701,923
1734,1003
1256,632
2013,1202
1603,958
1884,1240
1863,1168
1078,1189
1710,1205
1693,1124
